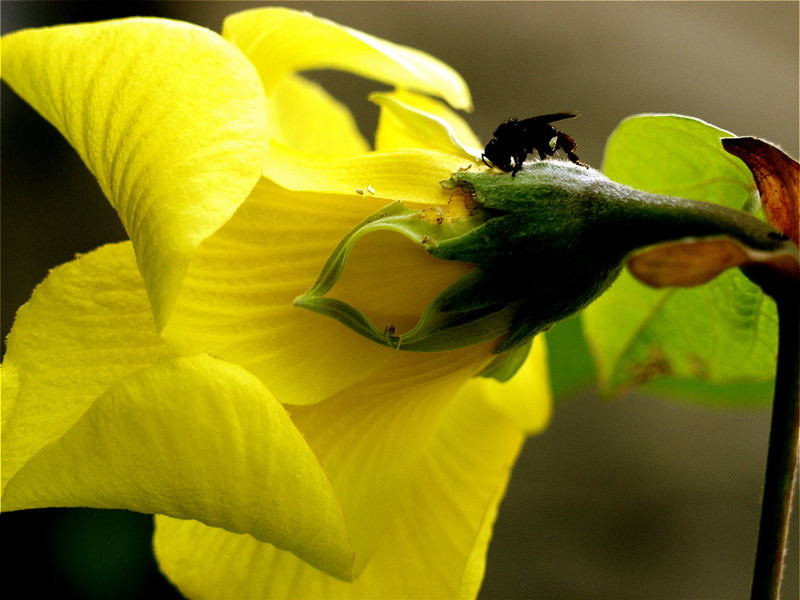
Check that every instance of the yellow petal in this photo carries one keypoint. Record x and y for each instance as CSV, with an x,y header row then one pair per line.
x,y
280,41
303,115
411,120
194,438
168,116
368,436
433,547
236,302
410,175
525,398
88,324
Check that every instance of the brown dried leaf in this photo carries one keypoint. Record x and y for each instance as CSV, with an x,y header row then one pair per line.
x,y
690,262
777,177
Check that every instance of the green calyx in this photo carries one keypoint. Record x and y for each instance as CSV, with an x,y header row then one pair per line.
x,y
437,329
544,244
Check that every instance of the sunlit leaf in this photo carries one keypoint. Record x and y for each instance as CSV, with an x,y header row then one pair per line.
x,y
722,332
569,358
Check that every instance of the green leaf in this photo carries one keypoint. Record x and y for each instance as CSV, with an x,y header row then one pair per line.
x,y
570,362
724,332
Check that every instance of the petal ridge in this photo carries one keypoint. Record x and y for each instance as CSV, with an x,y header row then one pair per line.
x,y
175,163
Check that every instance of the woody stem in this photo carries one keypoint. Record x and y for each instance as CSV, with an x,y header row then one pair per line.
x,y
781,470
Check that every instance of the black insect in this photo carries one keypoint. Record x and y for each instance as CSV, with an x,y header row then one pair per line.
x,y
513,140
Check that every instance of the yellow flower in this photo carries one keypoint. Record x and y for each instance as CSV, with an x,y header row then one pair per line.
x,y
283,454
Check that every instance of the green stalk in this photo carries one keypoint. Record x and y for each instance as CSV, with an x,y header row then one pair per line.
x,y
781,471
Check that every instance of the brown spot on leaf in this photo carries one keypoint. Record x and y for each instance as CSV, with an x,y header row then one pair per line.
x,y
698,366
655,365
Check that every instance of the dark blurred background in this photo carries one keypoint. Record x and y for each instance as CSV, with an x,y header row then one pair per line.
x,y
633,498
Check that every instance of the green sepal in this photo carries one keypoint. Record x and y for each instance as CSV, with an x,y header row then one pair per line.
x,y
505,365
437,329
560,236
544,244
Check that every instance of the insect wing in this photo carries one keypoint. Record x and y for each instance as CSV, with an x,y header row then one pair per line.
x,y
551,118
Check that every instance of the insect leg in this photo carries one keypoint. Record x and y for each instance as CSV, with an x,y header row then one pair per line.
x,y
568,145
519,158
544,152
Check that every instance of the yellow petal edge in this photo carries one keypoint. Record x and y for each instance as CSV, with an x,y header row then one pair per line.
x,y
168,116
85,326
281,41
411,120
433,547
194,438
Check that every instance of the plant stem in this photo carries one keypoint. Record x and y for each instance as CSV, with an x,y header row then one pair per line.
x,y
781,471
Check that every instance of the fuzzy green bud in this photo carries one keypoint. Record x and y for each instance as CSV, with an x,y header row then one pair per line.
x,y
544,244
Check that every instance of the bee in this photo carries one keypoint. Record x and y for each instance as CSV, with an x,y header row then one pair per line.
x,y
513,140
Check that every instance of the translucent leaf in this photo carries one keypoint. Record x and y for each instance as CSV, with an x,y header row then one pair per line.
x,y
678,156
722,332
